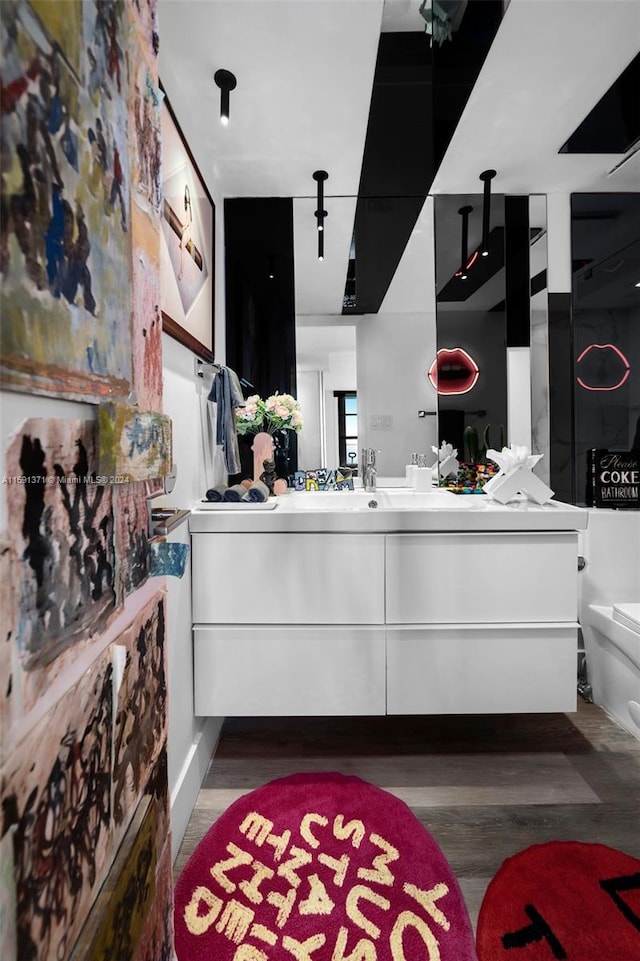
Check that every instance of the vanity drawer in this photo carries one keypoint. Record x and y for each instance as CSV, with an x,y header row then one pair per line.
x,y
280,578
485,578
493,669
279,670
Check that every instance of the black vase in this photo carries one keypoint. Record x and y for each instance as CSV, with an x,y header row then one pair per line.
x,y
246,458
282,453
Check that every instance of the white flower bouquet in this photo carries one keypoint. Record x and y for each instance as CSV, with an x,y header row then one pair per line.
x,y
278,412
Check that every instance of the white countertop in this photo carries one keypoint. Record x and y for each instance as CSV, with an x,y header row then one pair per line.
x,y
398,509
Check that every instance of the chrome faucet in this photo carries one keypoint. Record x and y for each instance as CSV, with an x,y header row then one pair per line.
x,y
369,471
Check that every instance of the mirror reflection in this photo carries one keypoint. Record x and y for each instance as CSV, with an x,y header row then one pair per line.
x,y
471,326
284,126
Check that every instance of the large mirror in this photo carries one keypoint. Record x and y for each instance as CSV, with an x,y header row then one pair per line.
x,y
295,110
306,76
471,325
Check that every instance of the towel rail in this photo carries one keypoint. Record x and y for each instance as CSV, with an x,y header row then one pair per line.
x,y
201,364
172,518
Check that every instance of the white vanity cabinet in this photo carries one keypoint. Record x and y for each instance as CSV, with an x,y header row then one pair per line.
x,y
481,623
398,613
289,623
468,578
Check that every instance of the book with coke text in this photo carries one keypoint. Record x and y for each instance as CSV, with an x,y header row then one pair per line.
x,y
613,478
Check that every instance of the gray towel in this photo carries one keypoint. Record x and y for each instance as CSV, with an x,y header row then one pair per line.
x,y
216,494
234,493
226,394
258,492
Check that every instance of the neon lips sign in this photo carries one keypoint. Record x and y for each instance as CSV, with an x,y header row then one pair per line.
x,y
453,371
617,365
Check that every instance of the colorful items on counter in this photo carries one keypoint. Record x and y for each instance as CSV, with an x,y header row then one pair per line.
x,y
323,479
470,478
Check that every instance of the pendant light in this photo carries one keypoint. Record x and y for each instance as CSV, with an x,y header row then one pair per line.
x,y
227,82
320,213
464,213
486,176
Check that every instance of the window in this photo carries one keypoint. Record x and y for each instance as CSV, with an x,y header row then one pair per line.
x,y
347,428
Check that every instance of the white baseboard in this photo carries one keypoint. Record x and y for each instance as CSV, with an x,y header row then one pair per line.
x,y
194,769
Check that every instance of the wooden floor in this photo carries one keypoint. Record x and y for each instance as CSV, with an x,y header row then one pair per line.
x,y
484,787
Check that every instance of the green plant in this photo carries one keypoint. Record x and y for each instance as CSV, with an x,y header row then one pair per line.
x,y
476,451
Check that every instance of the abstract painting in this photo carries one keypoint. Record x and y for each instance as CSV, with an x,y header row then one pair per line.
x,y
7,635
187,250
56,796
132,915
146,343
145,18
168,558
8,947
145,159
140,719
128,892
132,542
156,941
65,245
145,147
61,535
133,445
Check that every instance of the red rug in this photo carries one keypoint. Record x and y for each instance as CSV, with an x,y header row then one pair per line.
x,y
564,899
320,867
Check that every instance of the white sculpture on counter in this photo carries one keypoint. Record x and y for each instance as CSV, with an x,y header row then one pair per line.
x,y
447,462
516,476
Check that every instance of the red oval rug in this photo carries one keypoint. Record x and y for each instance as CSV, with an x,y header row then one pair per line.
x,y
320,867
563,899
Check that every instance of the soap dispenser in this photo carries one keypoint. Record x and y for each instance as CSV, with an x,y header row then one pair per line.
x,y
410,471
423,475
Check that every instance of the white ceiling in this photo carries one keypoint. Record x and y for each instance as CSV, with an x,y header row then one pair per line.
x,y
305,70
550,63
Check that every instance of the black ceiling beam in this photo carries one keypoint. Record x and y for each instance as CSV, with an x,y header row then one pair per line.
x,y
419,93
397,164
613,126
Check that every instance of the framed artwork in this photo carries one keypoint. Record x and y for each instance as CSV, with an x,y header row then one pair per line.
x,y
65,296
188,243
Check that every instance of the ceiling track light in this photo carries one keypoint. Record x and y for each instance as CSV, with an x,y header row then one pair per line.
x,y
227,82
320,213
464,213
486,176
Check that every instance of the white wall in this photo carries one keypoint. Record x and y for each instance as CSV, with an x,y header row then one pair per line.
x,y
326,361
318,439
394,353
395,349
341,375
199,465
540,424
191,739
309,395
611,548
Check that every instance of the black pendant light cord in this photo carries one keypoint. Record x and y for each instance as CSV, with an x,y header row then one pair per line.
x,y
320,213
486,176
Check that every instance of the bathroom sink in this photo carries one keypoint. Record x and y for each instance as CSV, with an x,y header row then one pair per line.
x,y
346,500
404,499
383,499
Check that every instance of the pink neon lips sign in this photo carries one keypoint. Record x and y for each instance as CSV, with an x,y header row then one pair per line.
x,y
453,371
617,366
